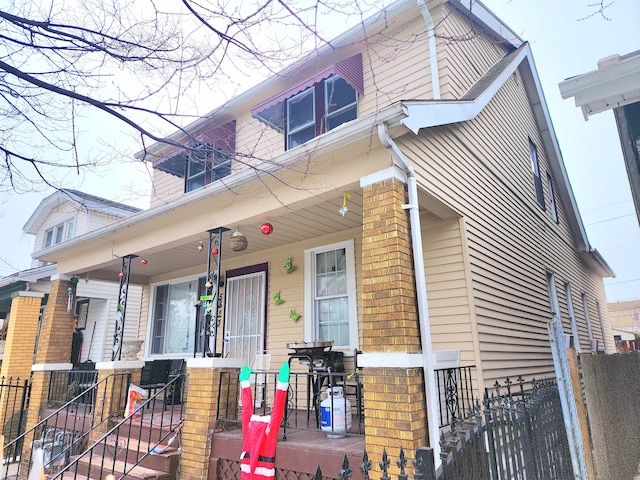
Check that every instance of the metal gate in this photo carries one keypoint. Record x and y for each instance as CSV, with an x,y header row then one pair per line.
x,y
14,401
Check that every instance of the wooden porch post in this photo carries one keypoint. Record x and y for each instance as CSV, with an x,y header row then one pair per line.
x,y
393,382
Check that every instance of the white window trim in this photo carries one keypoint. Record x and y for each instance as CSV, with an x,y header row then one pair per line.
x,y
65,231
308,91
572,318
585,307
152,302
309,272
552,199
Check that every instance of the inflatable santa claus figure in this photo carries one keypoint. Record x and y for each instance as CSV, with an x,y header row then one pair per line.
x,y
260,432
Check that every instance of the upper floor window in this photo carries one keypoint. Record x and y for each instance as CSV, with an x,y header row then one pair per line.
x,y
337,104
330,295
59,233
318,104
205,165
552,199
535,166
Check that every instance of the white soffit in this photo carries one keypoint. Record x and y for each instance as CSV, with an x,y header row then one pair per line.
x,y
616,83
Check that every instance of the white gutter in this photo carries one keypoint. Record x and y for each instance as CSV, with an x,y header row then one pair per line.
x,y
421,290
433,55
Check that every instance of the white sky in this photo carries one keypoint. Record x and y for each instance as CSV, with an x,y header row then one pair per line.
x,y
563,46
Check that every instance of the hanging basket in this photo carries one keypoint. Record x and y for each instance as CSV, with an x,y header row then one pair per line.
x,y
238,241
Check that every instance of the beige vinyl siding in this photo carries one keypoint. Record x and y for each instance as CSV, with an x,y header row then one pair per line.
x,y
396,66
449,310
255,139
464,54
482,169
59,215
166,187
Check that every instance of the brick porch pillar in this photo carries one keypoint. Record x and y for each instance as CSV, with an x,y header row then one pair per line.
x,y
394,397
111,394
54,345
21,336
203,390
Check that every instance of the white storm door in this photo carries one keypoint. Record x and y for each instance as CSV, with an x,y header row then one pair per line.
x,y
244,325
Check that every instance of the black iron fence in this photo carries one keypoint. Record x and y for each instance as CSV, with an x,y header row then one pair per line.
x,y
454,388
517,433
65,385
14,401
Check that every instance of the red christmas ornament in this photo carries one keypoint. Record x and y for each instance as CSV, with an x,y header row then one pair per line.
x,y
143,261
214,251
266,229
121,274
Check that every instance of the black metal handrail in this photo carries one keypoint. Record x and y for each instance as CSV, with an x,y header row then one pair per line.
x,y
63,432
124,440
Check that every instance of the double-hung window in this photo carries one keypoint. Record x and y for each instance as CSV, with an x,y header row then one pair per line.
x,y
330,295
319,109
206,164
59,233
535,166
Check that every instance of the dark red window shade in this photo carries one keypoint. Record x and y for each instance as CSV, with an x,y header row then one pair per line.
x,y
222,138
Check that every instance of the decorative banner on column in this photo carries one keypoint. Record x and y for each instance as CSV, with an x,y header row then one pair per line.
x,y
116,351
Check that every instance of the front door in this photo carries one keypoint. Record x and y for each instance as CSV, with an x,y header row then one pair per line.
x,y
245,312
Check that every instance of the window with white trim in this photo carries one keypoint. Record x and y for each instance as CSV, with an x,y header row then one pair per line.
x,y
319,109
572,318
173,316
537,179
330,312
585,309
552,199
205,165
59,233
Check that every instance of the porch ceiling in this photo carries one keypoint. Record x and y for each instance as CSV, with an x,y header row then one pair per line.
x,y
315,218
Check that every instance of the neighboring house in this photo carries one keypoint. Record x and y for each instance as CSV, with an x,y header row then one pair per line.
x,y
61,217
615,85
625,319
418,201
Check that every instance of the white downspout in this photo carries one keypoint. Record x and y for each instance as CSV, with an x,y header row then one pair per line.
x,y
421,290
433,55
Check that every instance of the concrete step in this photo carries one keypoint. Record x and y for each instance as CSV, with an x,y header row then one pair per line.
x,y
99,469
165,458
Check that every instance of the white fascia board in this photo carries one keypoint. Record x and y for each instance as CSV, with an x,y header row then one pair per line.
x,y
611,86
36,274
436,113
478,10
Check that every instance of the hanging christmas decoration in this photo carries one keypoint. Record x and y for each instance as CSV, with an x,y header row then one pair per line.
x,y
143,261
200,246
215,251
121,275
343,211
209,284
238,241
266,228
